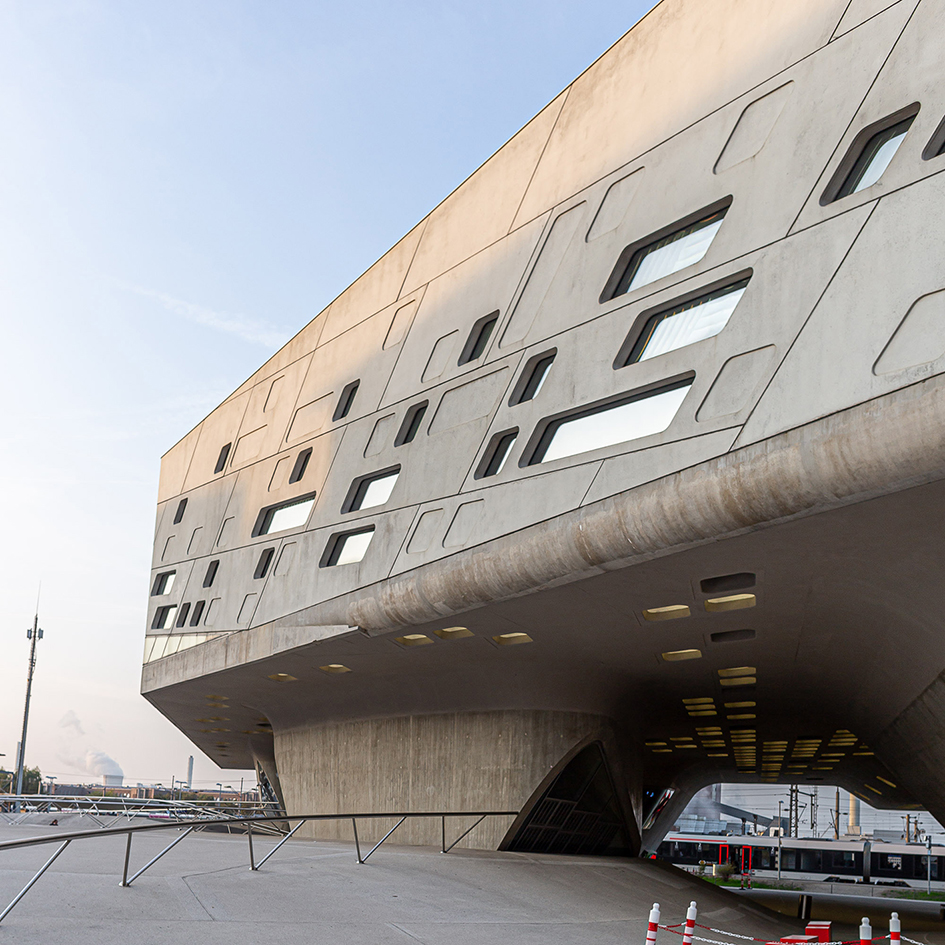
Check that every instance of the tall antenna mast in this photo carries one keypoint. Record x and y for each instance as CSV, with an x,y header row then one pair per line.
x,y
33,635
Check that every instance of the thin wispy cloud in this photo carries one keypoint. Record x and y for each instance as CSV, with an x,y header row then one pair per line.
x,y
255,331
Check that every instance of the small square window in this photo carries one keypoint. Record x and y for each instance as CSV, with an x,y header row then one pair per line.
x,y
496,454
370,491
164,617
198,613
291,514
665,252
182,615
478,339
346,400
301,464
179,514
163,583
262,566
411,425
532,378
212,569
347,547
222,458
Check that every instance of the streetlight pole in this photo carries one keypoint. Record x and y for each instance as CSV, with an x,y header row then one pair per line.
x,y
780,831
33,635
928,859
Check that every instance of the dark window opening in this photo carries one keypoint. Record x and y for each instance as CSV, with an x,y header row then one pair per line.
x,y
182,615
479,336
367,492
936,146
727,582
198,613
265,559
162,617
346,400
301,464
222,458
411,425
532,378
496,454
347,547
179,514
163,583
579,813
211,573
732,636
291,514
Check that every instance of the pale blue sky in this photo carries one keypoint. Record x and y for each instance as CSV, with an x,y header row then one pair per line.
x,y
182,187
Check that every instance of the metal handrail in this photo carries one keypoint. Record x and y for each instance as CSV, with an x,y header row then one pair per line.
x,y
65,838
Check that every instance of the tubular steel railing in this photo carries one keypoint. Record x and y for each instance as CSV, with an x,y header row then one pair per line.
x,y
264,822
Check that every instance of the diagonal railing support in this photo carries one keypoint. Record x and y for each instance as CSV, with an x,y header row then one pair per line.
x,y
30,884
151,862
379,842
279,844
446,849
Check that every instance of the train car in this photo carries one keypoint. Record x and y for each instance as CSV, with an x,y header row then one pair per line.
x,y
852,861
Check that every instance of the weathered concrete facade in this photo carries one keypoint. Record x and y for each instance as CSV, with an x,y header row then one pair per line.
x,y
749,590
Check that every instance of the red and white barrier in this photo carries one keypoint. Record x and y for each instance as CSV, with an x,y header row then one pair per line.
x,y
895,929
866,933
691,914
654,924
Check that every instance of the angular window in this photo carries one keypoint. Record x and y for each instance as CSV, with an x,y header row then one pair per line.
x,y
683,324
179,514
496,454
164,617
163,583
936,146
346,401
277,518
411,425
198,613
347,548
610,423
662,255
212,569
182,615
532,378
222,458
370,491
475,346
262,566
301,464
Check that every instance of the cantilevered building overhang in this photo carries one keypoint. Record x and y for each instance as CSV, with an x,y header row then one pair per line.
x,y
628,457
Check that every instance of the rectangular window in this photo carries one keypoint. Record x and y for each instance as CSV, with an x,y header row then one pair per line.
x,y
211,573
262,566
532,378
370,491
346,400
163,583
347,548
222,458
496,454
182,615
411,425
301,464
164,617
665,255
277,518
682,324
875,157
198,613
475,346
610,423
179,514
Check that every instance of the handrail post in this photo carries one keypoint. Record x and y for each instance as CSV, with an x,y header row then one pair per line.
x,y
357,845
124,872
252,859
443,833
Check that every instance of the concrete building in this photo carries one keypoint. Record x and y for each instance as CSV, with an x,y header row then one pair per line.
x,y
619,475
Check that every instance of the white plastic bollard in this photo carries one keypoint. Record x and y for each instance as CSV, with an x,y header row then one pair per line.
x,y
654,924
866,933
691,914
895,929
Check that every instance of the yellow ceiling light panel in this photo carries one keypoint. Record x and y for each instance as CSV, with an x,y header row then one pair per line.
x,y
334,669
702,700
733,602
655,744
879,777
707,729
662,751
717,754
714,744
672,612
737,671
862,754
703,715
454,633
871,788
414,639
675,656
282,677
741,716
740,681
680,738
740,705
512,639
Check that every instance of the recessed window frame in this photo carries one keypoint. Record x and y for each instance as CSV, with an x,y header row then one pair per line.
x,y
163,583
346,400
545,430
936,146
199,608
222,458
164,617
335,546
267,513
211,574
533,377
479,337
633,255
410,427
497,453
265,560
182,614
301,465
846,169
359,487
179,514
641,330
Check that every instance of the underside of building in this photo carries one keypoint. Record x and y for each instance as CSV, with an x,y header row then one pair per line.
x,y
621,474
